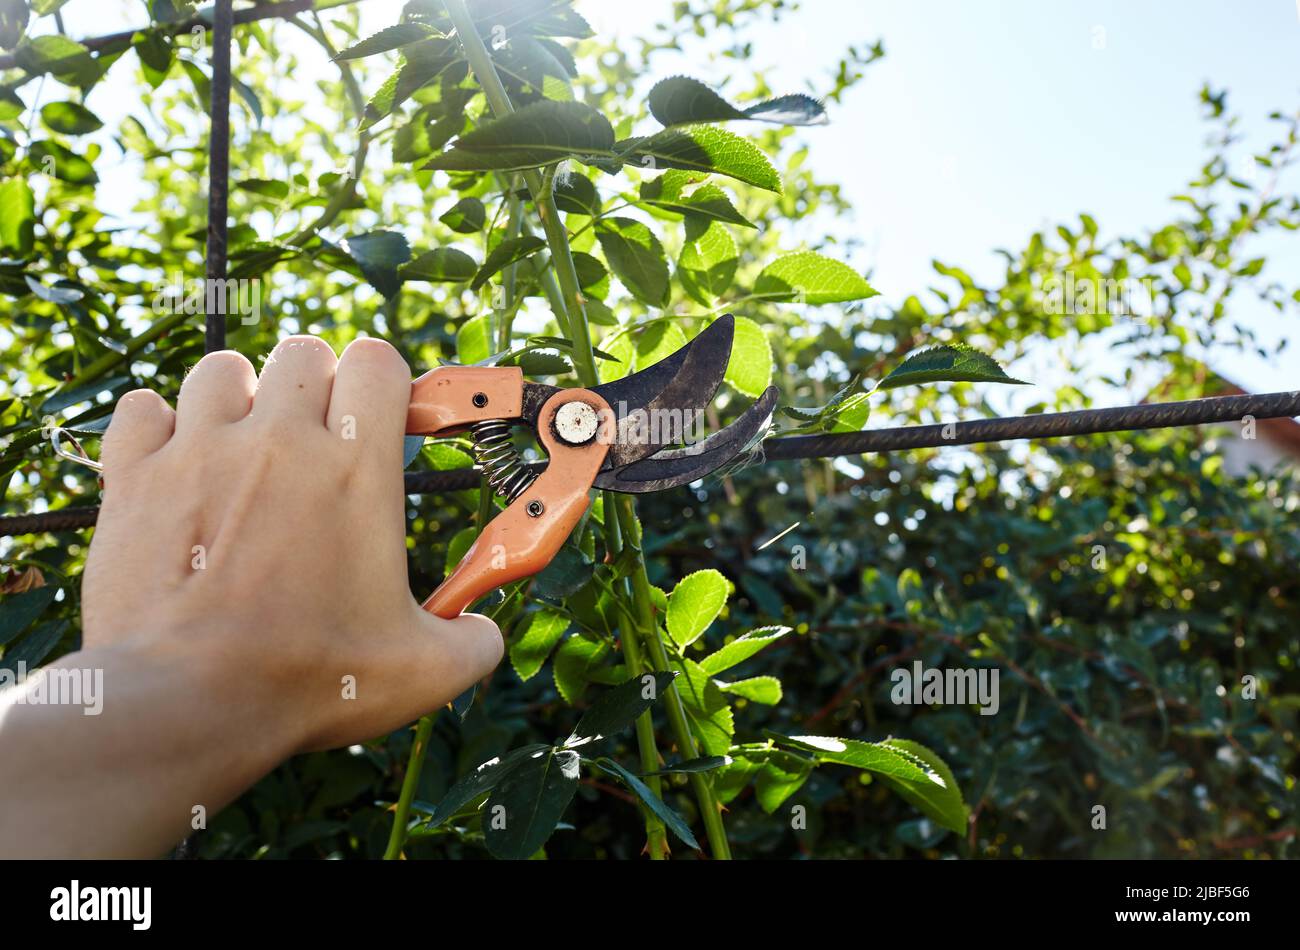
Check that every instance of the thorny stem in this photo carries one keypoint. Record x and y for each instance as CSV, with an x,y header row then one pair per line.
x,y
397,837
572,316
710,810
656,834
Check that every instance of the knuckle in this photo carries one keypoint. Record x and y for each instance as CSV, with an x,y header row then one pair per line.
x,y
138,402
223,360
302,346
377,356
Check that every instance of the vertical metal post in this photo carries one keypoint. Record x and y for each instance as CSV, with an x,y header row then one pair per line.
x,y
218,179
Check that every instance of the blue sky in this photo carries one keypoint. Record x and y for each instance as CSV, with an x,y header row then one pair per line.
x,y
988,120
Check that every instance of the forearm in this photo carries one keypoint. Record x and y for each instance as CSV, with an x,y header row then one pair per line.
x,y
169,737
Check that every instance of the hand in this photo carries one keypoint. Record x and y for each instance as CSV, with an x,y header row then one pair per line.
x,y
246,597
259,531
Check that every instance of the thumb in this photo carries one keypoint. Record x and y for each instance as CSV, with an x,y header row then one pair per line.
x,y
455,654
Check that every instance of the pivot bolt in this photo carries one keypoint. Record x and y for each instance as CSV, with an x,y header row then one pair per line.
x,y
576,423
535,509
480,400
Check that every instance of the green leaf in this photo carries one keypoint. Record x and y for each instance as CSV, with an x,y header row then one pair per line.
x,y
622,351
707,709
667,815
852,414
569,571
947,363
681,100
56,294
811,278
440,264
482,780
54,53
940,800
694,604
706,201
749,368
466,216
577,195
704,763
61,162
537,134
525,807
504,254
707,264
918,775
274,189
619,707
574,660
249,97
459,546
379,254
637,259
412,445
757,689
658,341
703,148
541,632
19,611
780,777
847,410
474,340
740,649
443,456
32,649
14,17
422,62
389,38
202,84
64,398
591,273
156,56
69,118
17,216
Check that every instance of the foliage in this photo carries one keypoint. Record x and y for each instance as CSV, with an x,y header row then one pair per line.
x,y
770,664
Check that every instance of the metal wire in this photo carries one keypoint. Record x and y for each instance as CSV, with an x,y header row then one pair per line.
x,y
214,337
1047,426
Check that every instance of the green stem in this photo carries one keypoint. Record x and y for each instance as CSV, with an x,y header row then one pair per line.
x,y
575,312
571,313
710,810
98,367
397,837
656,833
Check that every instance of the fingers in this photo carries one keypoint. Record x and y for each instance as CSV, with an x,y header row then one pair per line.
x,y
218,391
142,424
372,389
295,382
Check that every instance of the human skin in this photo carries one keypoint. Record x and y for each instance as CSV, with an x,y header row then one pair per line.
x,y
246,598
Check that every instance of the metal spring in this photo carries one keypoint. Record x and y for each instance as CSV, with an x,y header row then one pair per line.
x,y
504,468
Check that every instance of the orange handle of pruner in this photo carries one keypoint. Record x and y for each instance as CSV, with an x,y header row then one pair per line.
x,y
525,537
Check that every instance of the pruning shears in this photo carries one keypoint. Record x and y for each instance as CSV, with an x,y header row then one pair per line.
x,y
622,436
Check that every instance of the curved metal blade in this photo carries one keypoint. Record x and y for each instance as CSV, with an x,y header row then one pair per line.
x,y
673,467
651,405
